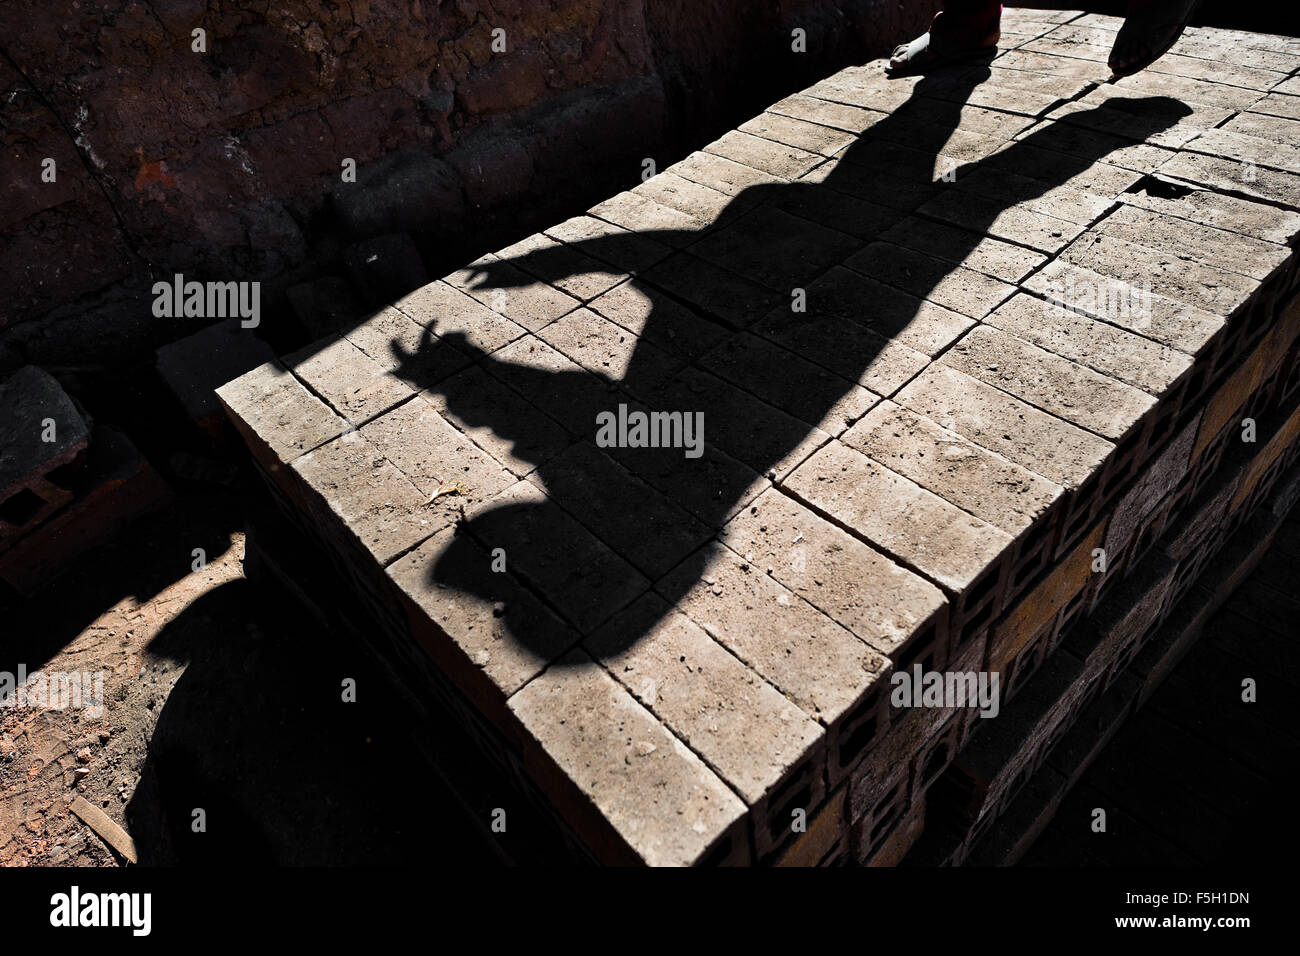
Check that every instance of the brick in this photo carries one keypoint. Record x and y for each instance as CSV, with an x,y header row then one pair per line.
x,y
840,295
482,627
193,368
1284,438
452,314
835,210
1071,202
1241,147
504,288
772,158
815,662
1232,213
713,488
825,828
438,459
556,265
851,119
663,805
741,725
962,290
1069,391
881,602
1047,599
722,174
1114,352
872,184
1159,478
627,251
766,439
659,320
1055,449
988,486
850,350
30,396
1001,260
1227,173
349,379
610,351
1139,308
786,130
555,385
411,352
272,409
1003,219
1203,286
704,204
818,397
378,506
646,217
1076,141
943,542
553,554
728,298
774,249
498,420
640,524
1208,247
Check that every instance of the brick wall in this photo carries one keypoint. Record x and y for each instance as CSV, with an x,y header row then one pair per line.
x,y
226,164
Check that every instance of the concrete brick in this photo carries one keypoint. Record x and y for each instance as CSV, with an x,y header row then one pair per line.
x,y
803,653
273,411
825,828
375,503
349,379
774,248
501,286
659,804
646,217
642,525
988,486
627,251
775,159
1047,599
946,544
658,320
881,602
962,290
1205,287
412,353
1158,479
724,175
554,264
1232,213
498,419
815,395
611,351
1001,260
852,351
194,367
1014,223
29,397
1139,308
1055,449
1227,173
1113,351
450,313
741,725
463,612
723,295
1069,391
810,137
811,109
574,571
1201,244
438,459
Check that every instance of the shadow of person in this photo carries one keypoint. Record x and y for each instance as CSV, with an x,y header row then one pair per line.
x,y
660,538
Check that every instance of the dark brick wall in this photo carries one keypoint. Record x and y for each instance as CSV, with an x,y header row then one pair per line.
x,y
226,164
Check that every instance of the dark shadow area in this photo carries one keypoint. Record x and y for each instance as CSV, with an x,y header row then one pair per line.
x,y
256,735
700,298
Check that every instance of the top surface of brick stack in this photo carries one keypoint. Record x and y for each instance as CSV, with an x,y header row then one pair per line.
x,y
904,432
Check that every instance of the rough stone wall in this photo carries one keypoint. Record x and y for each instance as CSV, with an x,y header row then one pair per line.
x,y
225,164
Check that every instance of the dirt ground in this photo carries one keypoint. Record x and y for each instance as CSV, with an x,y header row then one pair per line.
x,y
220,695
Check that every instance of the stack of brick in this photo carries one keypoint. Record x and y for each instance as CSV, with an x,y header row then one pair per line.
x,y
64,485
954,460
